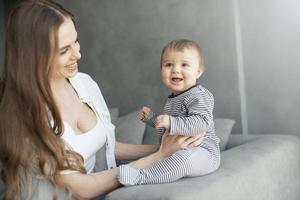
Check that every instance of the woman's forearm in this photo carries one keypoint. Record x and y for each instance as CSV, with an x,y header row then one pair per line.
x,y
147,161
125,151
87,186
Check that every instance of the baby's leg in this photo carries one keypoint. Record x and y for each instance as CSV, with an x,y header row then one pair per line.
x,y
203,161
179,165
167,170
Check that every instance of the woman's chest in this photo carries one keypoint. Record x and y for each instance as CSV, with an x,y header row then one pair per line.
x,y
80,116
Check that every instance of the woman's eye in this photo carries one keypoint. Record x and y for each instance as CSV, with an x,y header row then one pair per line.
x,y
169,65
64,51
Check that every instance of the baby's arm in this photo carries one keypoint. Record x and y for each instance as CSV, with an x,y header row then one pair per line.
x,y
162,122
146,115
198,120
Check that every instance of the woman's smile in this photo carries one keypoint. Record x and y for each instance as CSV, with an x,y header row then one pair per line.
x,y
72,67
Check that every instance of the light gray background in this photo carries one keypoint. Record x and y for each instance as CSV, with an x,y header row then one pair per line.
x,y
251,51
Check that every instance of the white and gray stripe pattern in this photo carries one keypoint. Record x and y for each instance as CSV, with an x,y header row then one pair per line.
x,y
191,112
183,163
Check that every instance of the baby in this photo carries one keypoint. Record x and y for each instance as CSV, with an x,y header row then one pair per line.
x,y
188,111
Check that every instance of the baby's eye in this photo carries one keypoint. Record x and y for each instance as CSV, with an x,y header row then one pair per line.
x,y
185,65
168,64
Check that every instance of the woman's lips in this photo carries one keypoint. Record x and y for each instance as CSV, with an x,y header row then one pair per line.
x,y
72,67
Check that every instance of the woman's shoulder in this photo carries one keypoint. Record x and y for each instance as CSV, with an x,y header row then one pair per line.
x,y
82,79
84,84
80,76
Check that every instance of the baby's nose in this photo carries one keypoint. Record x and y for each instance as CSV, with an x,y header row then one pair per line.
x,y
176,69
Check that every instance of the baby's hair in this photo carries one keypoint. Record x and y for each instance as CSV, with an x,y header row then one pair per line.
x,y
180,45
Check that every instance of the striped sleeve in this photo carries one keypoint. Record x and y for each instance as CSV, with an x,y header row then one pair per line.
x,y
199,116
150,118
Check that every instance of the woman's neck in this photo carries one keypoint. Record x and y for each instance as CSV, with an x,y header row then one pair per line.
x,y
59,85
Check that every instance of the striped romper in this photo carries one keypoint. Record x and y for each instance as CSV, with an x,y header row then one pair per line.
x,y
191,112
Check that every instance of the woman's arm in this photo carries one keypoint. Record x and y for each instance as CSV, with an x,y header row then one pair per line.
x,y
86,186
125,151
169,145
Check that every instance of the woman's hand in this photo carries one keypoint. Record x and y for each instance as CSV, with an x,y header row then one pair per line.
x,y
172,143
169,145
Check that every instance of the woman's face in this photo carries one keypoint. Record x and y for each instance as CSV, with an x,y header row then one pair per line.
x,y
65,62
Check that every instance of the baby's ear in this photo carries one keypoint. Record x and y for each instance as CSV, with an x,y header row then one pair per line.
x,y
200,71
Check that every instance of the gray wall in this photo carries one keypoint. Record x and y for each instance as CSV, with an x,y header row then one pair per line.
x,y
271,38
250,50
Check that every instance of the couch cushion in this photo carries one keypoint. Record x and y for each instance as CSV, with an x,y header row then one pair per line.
x,y
129,129
151,136
264,168
101,163
223,129
114,114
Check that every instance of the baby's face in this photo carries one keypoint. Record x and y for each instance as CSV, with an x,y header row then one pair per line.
x,y
180,69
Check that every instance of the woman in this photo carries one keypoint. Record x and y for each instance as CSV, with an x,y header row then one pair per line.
x,y
53,118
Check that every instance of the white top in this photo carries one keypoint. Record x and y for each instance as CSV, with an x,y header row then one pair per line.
x,y
87,144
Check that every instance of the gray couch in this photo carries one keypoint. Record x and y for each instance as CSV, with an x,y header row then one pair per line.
x,y
260,167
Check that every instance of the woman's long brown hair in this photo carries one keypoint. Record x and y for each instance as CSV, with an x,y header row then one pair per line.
x,y
30,122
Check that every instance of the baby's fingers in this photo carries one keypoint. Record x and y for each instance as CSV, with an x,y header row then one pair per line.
x,y
145,109
141,115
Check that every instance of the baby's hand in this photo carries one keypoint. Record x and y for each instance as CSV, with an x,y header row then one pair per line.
x,y
162,121
143,112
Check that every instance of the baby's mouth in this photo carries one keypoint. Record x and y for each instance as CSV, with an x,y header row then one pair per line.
x,y
176,80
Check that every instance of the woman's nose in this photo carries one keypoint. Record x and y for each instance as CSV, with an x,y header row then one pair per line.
x,y
76,54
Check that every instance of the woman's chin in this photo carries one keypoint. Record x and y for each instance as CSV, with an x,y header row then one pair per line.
x,y
72,74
